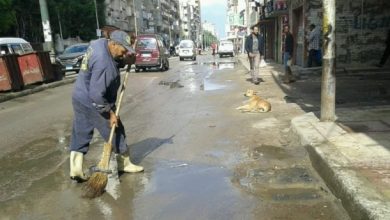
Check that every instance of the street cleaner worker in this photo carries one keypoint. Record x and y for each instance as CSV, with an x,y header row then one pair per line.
x,y
93,100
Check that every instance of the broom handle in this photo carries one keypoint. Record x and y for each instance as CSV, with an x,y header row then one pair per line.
x,y
119,102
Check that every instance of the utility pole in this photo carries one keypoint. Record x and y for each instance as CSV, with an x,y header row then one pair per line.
x,y
47,30
98,32
328,86
248,25
170,35
59,23
135,19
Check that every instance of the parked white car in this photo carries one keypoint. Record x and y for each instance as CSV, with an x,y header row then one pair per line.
x,y
225,48
187,49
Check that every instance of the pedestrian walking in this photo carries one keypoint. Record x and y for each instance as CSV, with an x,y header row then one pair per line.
x,y
314,39
287,55
93,99
386,53
254,46
214,47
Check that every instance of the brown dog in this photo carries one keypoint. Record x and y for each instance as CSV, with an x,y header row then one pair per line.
x,y
255,103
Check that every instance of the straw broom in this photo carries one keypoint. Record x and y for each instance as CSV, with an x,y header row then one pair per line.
x,y
97,182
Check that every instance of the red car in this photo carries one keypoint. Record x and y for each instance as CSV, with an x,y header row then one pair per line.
x,y
151,53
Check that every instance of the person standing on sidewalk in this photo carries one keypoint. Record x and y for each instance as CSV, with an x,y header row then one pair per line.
x,y
386,53
254,46
287,55
314,47
93,99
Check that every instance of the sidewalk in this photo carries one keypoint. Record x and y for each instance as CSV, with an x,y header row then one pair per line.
x,y
352,155
34,89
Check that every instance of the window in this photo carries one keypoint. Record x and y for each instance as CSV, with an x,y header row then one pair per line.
x,y
147,43
76,49
186,44
27,48
4,49
17,48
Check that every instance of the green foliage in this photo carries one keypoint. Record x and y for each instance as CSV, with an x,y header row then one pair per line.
x,y
209,38
21,18
7,16
77,17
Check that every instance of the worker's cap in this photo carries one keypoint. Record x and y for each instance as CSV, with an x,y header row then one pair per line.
x,y
122,38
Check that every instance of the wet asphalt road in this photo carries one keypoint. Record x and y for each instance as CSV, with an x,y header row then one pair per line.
x,y
202,158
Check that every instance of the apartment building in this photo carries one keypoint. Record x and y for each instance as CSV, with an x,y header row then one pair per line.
x,y
210,27
146,16
130,15
190,15
166,18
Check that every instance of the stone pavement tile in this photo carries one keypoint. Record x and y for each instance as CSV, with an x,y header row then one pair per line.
x,y
303,125
355,166
362,151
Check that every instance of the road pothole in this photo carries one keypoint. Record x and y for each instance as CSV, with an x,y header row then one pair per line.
x,y
269,152
279,184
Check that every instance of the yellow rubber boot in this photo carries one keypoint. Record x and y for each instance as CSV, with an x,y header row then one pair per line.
x,y
125,165
76,167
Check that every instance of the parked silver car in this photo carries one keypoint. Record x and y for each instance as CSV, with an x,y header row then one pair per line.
x,y
70,59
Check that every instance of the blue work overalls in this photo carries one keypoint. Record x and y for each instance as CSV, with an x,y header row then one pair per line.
x,y
94,95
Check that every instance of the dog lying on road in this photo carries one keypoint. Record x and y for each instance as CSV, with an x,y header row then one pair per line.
x,y
255,103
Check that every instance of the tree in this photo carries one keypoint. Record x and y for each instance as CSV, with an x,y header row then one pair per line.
x,y
21,18
7,16
209,38
77,17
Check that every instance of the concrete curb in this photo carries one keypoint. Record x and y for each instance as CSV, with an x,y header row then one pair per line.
x,y
39,88
360,200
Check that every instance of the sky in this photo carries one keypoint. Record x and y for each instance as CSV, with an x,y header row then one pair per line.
x,y
214,11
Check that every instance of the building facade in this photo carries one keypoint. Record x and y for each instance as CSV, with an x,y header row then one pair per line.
x,y
361,29
147,16
210,27
190,16
236,19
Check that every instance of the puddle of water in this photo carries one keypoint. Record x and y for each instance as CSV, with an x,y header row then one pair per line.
x,y
183,191
172,84
293,194
208,86
293,183
268,152
217,65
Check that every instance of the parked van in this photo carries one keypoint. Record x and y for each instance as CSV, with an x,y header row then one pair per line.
x,y
226,48
151,53
13,45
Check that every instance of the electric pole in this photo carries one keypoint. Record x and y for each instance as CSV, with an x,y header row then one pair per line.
x,y
248,25
135,19
328,86
98,32
48,45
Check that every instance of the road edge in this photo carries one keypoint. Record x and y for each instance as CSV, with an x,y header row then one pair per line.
x,y
360,200
13,95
